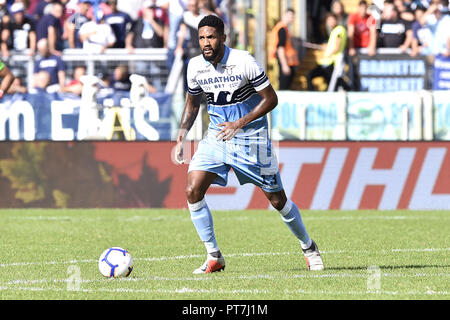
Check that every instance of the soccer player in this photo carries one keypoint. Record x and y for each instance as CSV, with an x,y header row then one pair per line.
x,y
239,96
7,79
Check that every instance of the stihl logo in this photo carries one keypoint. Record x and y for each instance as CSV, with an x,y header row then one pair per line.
x,y
350,176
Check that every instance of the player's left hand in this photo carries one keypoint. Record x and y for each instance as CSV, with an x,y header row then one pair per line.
x,y
230,129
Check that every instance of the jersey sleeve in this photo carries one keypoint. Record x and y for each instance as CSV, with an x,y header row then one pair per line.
x,y
61,65
255,74
282,37
192,84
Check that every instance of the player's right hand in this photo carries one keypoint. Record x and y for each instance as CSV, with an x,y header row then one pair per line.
x,y
179,153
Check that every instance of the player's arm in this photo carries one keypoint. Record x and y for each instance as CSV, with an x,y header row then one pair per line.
x,y
70,28
372,48
268,103
5,34
408,40
32,37
281,52
62,78
190,113
351,38
52,40
182,32
159,30
129,42
7,79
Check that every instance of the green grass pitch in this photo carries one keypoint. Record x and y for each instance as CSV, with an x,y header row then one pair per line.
x,y
52,254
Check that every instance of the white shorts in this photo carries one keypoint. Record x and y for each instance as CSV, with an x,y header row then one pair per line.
x,y
253,161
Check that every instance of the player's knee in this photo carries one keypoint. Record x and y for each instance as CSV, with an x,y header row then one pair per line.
x,y
277,202
193,194
277,199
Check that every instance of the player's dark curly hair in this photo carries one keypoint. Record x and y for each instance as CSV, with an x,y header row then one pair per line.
x,y
214,22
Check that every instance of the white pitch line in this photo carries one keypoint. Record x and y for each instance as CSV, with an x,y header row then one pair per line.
x,y
24,264
185,290
22,282
231,255
421,250
373,294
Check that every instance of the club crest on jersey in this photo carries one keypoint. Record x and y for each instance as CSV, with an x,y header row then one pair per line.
x,y
228,69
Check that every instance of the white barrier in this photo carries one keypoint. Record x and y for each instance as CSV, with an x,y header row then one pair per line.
x,y
395,116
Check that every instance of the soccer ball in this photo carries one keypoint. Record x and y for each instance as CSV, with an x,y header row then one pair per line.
x,y
115,262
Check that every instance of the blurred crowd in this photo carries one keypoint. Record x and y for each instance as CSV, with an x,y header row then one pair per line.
x,y
414,27
45,28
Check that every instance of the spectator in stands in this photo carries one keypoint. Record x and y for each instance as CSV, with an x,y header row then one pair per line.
x,y
315,15
404,10
208,7
414,4
51,64
7,79
337,7
334,50
75,86
132,7
175,9
49,27
120,79
438,20
149,31
120,23
189,30
394,31
71,7
187,42
96,35
41,82
4,14
362,32
284,51
30,6
422,35
74,23
20,33
39,8
223,11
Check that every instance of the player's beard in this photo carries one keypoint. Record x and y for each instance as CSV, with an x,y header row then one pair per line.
x,y
211,58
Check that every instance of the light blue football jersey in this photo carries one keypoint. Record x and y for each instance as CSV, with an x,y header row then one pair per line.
x,y
231,88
